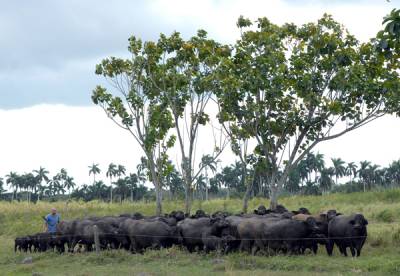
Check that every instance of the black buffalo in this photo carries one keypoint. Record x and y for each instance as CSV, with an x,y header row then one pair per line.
x,y
347,231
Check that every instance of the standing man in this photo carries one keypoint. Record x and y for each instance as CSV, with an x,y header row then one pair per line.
x,y
52,220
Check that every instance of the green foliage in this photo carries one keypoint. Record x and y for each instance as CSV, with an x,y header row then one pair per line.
x,y
290,85
385,216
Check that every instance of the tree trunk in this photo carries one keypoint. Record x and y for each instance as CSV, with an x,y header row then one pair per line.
x,y
158,199
274,197
249,188
188,189
187,200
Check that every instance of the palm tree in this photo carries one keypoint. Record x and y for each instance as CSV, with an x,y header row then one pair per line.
x,y
319,164
363,172
393,173
200,185
111,172
325,180
41,174
69,184
373,175
121,171
132,180
351,170
1,186
12,181
53,187
94,169
98,189
207,161
339,168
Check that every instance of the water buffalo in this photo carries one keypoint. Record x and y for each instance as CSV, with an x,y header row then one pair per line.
x,y
347,231
191,230
276,234
82,232
22,244
152,233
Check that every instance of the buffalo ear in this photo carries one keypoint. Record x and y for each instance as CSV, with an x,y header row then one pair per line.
x,y
365,221
339,214
352,222
296,212
256,212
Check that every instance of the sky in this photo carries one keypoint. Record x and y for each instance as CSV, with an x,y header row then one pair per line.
x,y
49,49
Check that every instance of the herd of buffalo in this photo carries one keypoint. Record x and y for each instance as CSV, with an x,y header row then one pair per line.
x,y
267,231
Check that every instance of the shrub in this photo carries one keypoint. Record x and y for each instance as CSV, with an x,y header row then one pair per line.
x,y
385,216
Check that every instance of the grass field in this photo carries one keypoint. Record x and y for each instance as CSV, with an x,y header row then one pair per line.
x,y
380,256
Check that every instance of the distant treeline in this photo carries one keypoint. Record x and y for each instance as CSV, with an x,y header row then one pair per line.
x,y
312,176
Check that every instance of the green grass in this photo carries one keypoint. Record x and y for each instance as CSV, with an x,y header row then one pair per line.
x,y
380,255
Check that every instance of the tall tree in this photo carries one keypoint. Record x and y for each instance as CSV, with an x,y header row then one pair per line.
x,y
94,169
325,180
139,107
184,78
69,184
291,87
208,162
112,171
351,170
363,173
41,175
339,168
12,181
2,190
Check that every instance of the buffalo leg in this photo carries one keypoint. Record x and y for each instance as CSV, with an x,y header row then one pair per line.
x,y
353,252
329,247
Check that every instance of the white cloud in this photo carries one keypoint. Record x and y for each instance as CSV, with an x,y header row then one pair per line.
x,y
56,136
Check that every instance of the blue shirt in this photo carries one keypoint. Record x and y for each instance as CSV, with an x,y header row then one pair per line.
x,y
52,221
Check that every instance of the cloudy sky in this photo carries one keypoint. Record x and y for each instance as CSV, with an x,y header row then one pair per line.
x,y
48,52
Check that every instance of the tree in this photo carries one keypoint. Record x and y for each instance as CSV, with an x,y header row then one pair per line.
x,y
41,175
1,186
183,75
69,184
319,164
121,170
387,43
132,180
28,182
60,185
339,169
139,107
351,170
52,188
208,162
325,180
393,173
94,169
363,172
291,87
12,181
112,171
